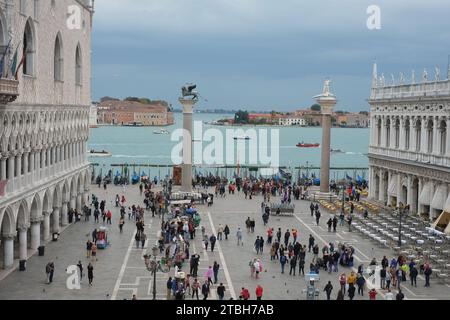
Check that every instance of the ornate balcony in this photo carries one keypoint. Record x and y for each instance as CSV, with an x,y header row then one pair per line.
x,y
9,90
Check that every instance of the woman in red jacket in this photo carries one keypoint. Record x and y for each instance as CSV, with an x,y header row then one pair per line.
x,y
259,292
245,295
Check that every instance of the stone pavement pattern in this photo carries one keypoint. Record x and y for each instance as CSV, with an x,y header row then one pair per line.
x,y
120,271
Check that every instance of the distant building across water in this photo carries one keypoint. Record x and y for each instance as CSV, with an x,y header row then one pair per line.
x,y
133,113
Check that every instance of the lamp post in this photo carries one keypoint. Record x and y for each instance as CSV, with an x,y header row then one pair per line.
x,y
154,270
400,213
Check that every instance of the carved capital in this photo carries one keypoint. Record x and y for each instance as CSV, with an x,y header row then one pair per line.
x,y
23,228
36,220
9,236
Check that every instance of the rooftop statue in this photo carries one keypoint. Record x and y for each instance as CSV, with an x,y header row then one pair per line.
x,y
402,78
425,75
437,75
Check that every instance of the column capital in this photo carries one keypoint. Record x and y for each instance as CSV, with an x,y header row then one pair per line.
x,y
36,220
57,208
45,213
9,236
23,228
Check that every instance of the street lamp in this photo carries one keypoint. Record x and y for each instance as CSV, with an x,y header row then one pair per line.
x,y
401,209
154,269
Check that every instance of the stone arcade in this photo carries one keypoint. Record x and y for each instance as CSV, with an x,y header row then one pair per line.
x,y
409,154
44,122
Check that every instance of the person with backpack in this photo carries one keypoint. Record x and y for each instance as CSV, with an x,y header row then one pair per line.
x,y
360,282
400,295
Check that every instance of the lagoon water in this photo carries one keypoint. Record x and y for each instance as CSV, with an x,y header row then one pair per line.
x,y
139,145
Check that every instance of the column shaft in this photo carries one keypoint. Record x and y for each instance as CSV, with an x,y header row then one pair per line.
x,y
325,159
23,244
35,235
8,251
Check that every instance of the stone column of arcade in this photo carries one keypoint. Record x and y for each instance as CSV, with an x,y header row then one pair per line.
x,y
186,179
327,101
8,250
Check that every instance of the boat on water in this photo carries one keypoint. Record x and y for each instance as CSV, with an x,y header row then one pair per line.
x,y
242,138
308,145
103,153
161,131
337,151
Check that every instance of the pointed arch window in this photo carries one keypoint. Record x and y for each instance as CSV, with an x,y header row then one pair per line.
x,y
78,67
58,60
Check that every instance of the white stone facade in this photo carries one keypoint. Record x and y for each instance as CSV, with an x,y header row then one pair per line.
x,y
409,155
289,121
45,130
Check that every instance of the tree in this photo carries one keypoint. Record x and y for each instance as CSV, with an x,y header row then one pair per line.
x,y
364,113
133,99
108,99
241,117
316,107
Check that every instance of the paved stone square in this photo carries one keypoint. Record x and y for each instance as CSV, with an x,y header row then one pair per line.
x,y
120,271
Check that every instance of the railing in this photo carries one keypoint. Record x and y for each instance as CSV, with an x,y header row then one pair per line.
x,y
434,88
439,160
9,90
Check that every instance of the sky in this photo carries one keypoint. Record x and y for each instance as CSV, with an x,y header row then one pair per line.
x,y
261,54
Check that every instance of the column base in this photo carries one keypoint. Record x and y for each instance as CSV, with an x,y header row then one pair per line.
x,y
318,195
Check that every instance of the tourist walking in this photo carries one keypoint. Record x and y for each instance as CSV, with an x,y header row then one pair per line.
x,y
328,288
221,291
205,290
88,249
219,232
49,270
318,216
195,287
427,272
212,239
283,260
216,271
239,237
259,292
90,269
80,268
121,223
226,231
94,252
209,274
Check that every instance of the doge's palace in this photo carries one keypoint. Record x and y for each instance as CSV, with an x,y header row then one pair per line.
x,y
45,98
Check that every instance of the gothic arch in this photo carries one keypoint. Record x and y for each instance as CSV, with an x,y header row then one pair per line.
x,y
47,201
23,215
36,207
7,222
